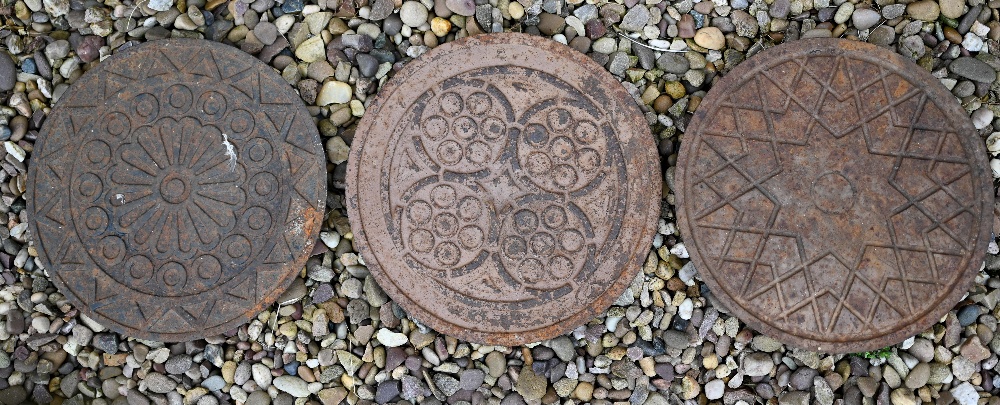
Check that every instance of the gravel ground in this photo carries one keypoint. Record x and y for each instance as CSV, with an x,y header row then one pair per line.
x,y
343,340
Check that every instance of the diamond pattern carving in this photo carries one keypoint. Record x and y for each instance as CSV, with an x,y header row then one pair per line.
x,y
832,195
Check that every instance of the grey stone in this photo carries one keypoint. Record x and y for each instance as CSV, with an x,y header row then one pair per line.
x,y
757,365
564,348
214,383
447,384
471,379
865,18
178,364
107,342
675,339
381,9
794,398
882,36
368,66
8,72
266,32
15,395
892,11
802,378
918,376
780,8
386,391
293,385
973,69
673,62
635,19
160,383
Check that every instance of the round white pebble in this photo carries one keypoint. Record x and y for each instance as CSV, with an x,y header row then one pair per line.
x,y
413,14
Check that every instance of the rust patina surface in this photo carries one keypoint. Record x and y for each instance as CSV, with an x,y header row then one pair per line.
x,y
834,195
176,189
503,189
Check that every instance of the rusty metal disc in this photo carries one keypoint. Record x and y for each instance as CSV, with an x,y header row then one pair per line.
x,y
176,189
503,189
834,195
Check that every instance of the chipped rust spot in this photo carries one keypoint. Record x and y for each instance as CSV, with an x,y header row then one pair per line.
x,y
834,195
176,190
507,198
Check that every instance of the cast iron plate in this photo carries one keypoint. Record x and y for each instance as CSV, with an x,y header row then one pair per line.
x,y
176,189
503,188
834,195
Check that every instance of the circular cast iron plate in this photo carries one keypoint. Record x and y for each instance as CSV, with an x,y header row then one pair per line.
x,y
176,190
835,195
503,189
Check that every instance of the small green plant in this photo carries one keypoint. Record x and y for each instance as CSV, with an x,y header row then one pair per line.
x,y
882,353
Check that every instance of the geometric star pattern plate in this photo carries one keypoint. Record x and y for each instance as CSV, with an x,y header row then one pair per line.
x,y
834,195
176,189
503,189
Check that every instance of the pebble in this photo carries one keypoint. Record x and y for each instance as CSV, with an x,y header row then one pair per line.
x,y
56,8
107,342
531,386
159,383
843,13
715,389
266,32
918,376
981,118
924,10
952,8
965,394
261,375
865,18
14,395
710,38
413,14
178,364
882,35
635,19
972,42
294,386
8,72
471,379
779,9
973,69
673,62
160,5
744,23
311,50
463,7
496,363
387,391
389,338
214,383
334,92
757,365
551,24
440,26
675,339
892,11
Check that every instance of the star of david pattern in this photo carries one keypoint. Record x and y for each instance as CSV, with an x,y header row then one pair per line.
x,y
194,197
830,195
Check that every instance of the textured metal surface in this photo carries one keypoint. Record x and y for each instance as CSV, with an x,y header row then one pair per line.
x,y
503,189
834,195
176,189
